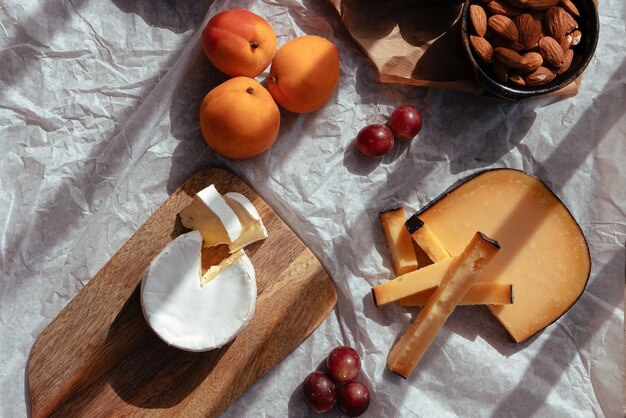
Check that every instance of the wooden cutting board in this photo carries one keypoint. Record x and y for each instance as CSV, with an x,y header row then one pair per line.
x,y
100,358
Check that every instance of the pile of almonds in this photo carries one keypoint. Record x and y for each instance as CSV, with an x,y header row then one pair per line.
x,y
525,42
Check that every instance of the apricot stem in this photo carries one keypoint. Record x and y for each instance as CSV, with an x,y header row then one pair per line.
x,y
249,90
273,79
254,45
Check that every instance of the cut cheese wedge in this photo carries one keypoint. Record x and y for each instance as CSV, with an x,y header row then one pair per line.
x,y
426,239
424,279
481,293
544,252
399,241
215,270
209,214
187,315
459,278
253,229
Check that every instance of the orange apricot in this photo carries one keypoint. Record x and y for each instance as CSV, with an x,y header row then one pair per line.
x,y
239,42
239,118
304,73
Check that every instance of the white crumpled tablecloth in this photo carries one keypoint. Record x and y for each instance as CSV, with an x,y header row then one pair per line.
x,y
98,124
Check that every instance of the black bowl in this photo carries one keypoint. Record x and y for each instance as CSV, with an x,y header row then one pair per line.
x,y
590,28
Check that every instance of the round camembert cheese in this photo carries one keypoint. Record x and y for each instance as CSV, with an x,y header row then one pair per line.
x,y
194,313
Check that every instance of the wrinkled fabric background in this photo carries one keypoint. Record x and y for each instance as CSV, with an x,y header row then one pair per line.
x,y
98,124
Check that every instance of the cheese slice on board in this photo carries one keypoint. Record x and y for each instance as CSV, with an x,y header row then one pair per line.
x,y
481,293
210,214
187,315
398,240
459,278
544,252
253,229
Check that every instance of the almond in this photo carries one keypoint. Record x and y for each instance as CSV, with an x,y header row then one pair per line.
x,y
478,17
529,30
566,43
568,57
504,27
499,7
570,7
542,4
576,37
534,60
551,51
559,23
540,76
482,47
505,43
517,79
510,58
500,71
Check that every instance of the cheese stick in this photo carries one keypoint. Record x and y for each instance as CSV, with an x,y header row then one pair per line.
x,y
463,272
398,240
482,293
417,281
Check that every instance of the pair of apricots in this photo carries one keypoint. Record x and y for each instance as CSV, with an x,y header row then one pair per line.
x,y
240,118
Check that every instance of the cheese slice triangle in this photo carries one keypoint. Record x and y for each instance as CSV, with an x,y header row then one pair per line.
x,y
212,216
253,229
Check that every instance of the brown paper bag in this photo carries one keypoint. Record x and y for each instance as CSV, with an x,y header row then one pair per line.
x,y
413,44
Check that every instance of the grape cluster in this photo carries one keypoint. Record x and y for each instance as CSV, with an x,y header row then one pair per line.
x,y
320,389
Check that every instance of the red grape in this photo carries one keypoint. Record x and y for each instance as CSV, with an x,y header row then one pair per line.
x,y
374,140
354,398
344,364
319,392
406,122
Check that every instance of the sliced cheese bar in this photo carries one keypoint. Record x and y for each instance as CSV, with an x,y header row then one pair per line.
x,y
463,272
413,288
481,293
544,252
399,241
421,280
426,239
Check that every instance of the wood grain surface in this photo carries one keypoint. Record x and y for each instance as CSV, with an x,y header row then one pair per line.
x,y
100,358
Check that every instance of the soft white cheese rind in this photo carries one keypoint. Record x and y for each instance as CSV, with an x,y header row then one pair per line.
x,y
188,316
212,216
253,229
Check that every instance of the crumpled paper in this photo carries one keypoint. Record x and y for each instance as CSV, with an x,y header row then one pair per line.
x,y
98,115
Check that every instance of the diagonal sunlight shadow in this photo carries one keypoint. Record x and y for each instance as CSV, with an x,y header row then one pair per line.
x,y
554,167
521,397
529,399
108,163
573,164
30,55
